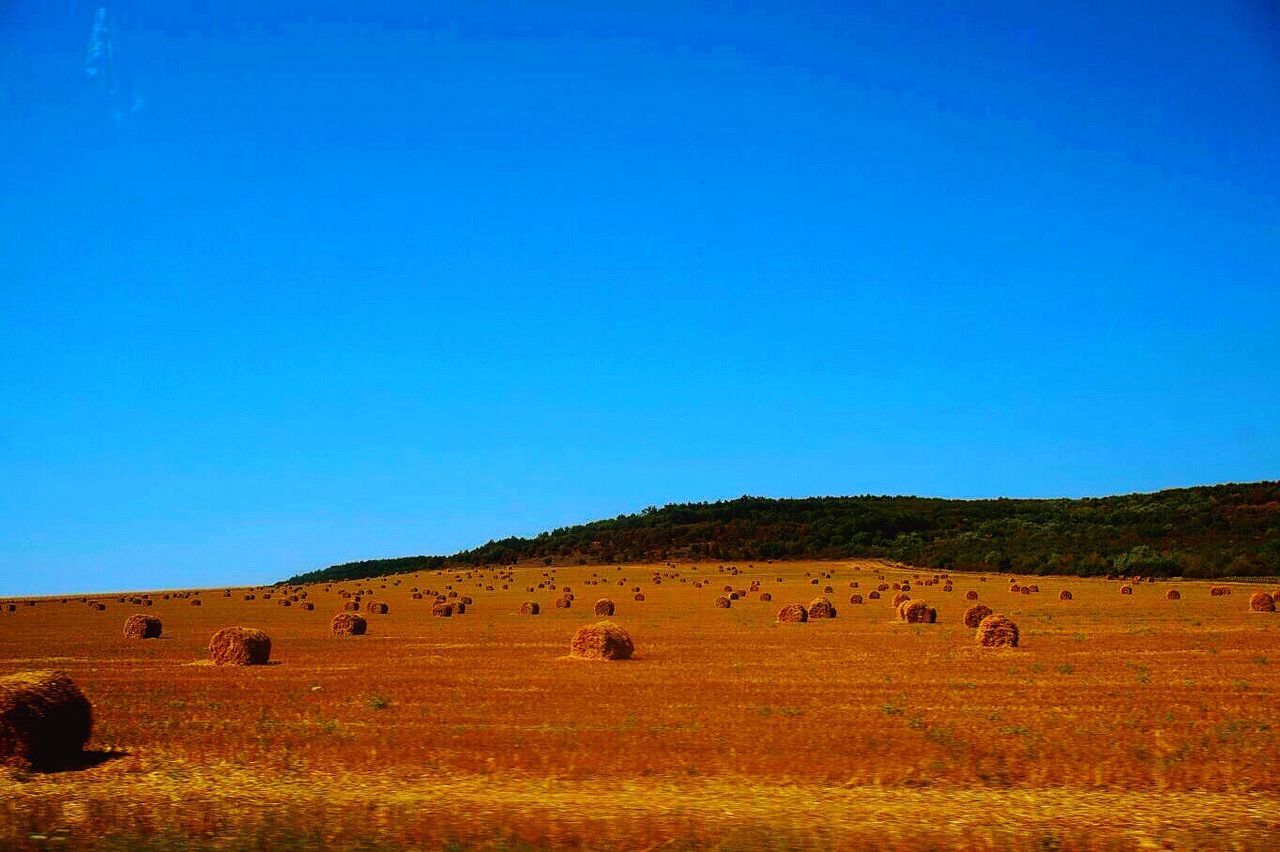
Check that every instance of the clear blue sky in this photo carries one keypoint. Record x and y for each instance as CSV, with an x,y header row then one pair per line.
x,y
282,288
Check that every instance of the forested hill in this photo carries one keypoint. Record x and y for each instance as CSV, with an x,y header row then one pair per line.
x,y
1209,531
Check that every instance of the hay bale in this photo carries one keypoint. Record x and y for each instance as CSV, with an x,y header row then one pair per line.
x,y
348,624
563,603
377,608
821,607
1126,590
603,640
351,606
1015,588
442,609
1173,595
459,608
240,646
899,599
997,631
722,602
307,605
971,595
873,595
142,626
855,599
1261,602
45,720
530,608
1218,591
917,612
604,606
639,596
973,615
793,614
765,596
1064,595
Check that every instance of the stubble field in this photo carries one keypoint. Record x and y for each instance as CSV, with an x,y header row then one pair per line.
x,y
1121,721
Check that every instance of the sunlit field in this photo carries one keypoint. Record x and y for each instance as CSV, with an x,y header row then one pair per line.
x,y
1119,721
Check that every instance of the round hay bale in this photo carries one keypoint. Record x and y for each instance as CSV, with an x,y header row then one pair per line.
x,y
765,596
1031,590
1261,602
377,608
459,608
604,606
917,612
442,609
997,631
1126,590
351,606
348,624
973,615
1173,595
722,602
603,640
639,596
142,626
563,603
821,607
307,605
1015,588
1218,591
240,646
45,720
899,599
971,595
793,614
855,599
530,608
1064,595
873,595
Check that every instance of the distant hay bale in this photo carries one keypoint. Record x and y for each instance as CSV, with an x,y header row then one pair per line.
x,y
828,590
1261,602
973,615
351,606
1032,589
1126,590
1025,590
246,597
442,609
348,624
240,646
603,640
1218,591
722,602
142,627
793,614
855,599
1015,588
459,608
530,608
1173,595
899,598
563,603
873,595
377,608
604,606
821,607
417,596
917,612
971,595
307,605
1064,595
997,631
765,596
45,720
97,606
639,596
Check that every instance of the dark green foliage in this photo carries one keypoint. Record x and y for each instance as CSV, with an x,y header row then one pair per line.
x,y
1209,531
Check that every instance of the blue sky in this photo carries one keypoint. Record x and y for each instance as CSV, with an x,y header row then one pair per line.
x,y
287,287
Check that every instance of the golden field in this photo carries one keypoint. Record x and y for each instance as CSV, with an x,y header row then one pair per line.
x,y
1121,721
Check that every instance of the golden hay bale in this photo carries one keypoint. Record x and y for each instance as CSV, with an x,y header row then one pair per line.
x,y
351,606
855,599
793,613
142,626
307,605
348,624
722,602
973,615
1015,588
603,640
899,599
917,612
442,609
530,608
246,597
45,720
1261,602
873,595
1064,595
765,596
604,606
563,603
971,595
459,608
417,596
639,596
1218,591
97,606
1126,590
1173,595
377,608
1031,590
821,607
997,631
240,646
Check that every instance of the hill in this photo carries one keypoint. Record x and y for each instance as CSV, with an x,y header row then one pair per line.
x,y
1207,531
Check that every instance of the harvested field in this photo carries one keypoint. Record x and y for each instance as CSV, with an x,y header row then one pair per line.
x,y
1118,721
